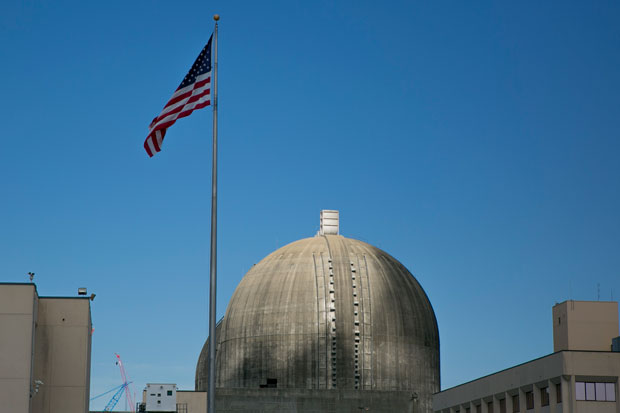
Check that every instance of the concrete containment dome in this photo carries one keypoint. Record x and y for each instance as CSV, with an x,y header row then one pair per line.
x,y
328,312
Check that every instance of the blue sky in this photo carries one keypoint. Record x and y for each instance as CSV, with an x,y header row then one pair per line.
x,y
477,143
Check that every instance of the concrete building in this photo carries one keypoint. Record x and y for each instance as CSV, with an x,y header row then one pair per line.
x,y
191,401
585,325
326,323
45,345
580,376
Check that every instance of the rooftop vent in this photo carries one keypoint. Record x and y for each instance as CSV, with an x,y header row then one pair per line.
x,y
330,222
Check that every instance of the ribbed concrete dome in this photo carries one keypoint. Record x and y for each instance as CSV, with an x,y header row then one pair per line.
x,y
328,312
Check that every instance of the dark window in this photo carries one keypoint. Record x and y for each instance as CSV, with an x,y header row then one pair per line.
x,y
544,396
502,406
529,400
169,392
272,383
479,408
490,406
558,393
515,404
467,410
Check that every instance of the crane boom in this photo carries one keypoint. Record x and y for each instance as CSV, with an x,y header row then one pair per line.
x,y
125,387
114,400
104,393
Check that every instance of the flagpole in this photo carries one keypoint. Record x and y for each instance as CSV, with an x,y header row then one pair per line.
x,y
213,269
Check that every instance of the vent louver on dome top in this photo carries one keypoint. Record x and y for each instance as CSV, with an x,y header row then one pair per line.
x,y
330,222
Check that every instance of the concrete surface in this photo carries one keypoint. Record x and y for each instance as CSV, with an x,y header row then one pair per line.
x,y
584,325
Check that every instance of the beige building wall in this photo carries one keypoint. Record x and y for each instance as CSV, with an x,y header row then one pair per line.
x,y
45,340
556,374
62,355
17,328
196,400
584,325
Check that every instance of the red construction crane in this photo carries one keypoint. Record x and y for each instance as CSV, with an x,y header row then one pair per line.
x,y
119,362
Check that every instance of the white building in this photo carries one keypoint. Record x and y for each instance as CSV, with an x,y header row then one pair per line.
x,y
165,397
160,397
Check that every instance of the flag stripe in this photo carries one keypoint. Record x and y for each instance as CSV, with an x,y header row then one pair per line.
x,y
183,105
183,95
186,110
170,110
159,139
180,90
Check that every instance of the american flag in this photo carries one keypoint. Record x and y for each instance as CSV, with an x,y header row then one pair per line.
x,y
193,93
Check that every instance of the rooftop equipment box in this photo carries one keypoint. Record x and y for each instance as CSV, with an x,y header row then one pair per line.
x,y
161,397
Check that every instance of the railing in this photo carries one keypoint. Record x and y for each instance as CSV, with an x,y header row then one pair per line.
x,y
181,408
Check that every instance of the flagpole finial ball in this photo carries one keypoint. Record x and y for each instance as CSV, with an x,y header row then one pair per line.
x,y
216,17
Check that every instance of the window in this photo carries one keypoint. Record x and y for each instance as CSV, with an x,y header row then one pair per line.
x,y
558,393
580,390
169,393
467,410
603,392
544,396
490,406
590,395
502,406
273,383
529,400
610,392
479,408
515,404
